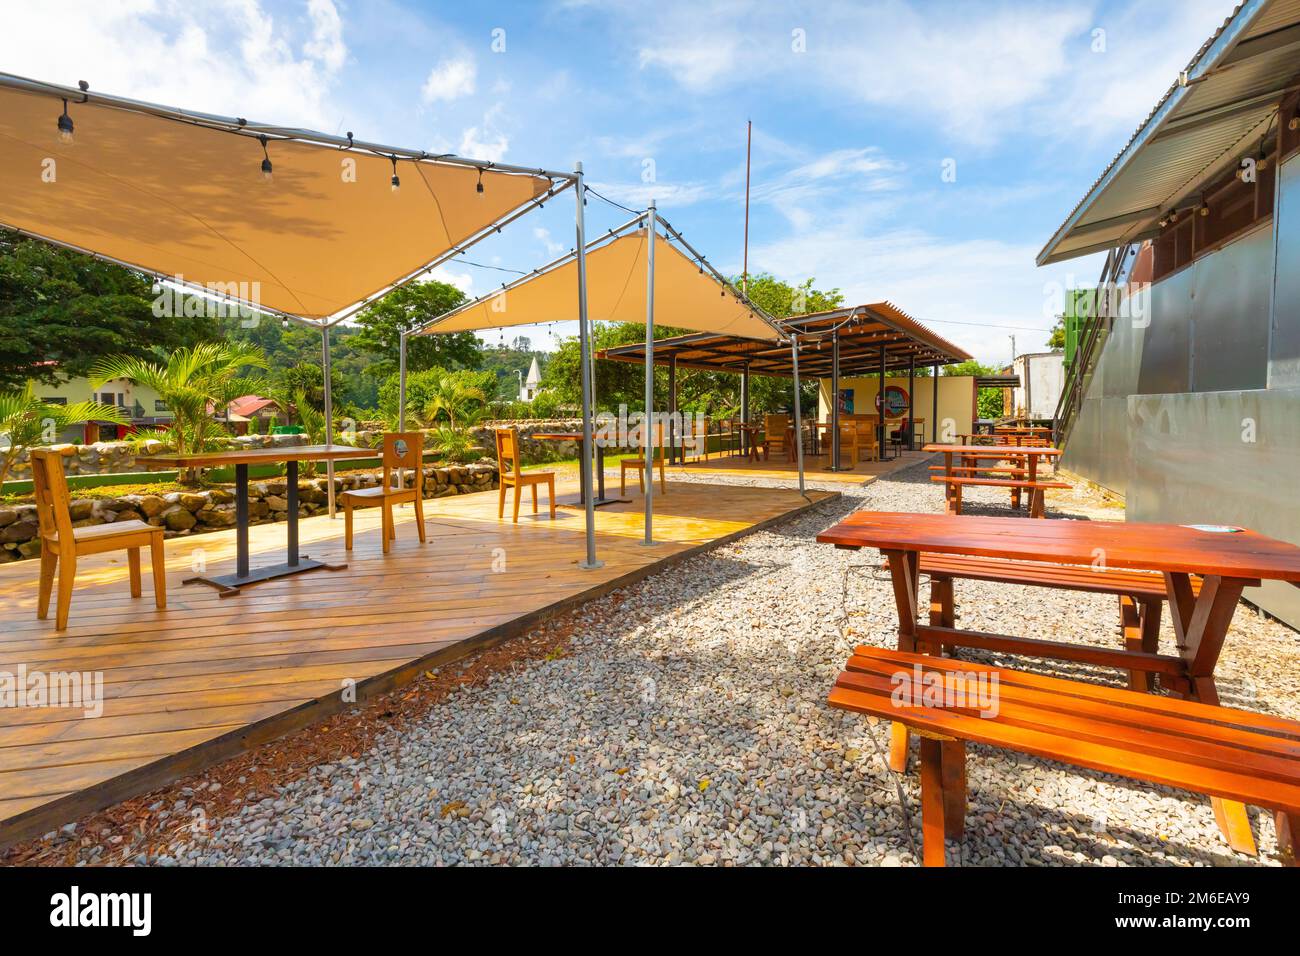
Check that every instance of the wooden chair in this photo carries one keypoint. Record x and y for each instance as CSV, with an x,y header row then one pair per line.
x,y
401,450
515,477
62,544
628,464
849,437
867,439
695,432
776,435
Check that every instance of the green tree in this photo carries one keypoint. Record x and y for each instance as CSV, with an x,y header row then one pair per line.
x,y
60,310
408,308
190,381
1056,338
26,421
782,300
989,400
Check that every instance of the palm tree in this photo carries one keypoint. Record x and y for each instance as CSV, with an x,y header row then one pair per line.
x,y
190,381
25,421
452,396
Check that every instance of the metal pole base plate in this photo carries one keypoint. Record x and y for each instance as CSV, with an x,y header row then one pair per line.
x,y
229,585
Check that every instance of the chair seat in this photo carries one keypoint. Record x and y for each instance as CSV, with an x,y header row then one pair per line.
x,y
528,477
96,532
376,492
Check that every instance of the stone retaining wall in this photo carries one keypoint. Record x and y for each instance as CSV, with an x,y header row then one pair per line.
x,y
120,457
533,450
212,509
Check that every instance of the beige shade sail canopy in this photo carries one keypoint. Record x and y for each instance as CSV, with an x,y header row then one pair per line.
x,y
686,294
179,194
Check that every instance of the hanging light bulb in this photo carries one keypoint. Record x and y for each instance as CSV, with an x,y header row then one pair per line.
x,y
266,159
397,183
1261,163
1294,123
1205,207
65,126
479,188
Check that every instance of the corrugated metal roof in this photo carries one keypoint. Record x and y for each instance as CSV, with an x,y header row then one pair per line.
x,y
1194,134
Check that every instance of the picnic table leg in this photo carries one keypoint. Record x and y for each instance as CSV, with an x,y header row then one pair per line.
x,y
1230,815
903,573
1131,624
1200,625
1288,836
953,775
932,802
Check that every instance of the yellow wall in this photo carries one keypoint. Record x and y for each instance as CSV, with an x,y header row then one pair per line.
x,y
956,400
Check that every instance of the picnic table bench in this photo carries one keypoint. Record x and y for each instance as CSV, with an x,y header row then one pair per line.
x,y
1227,754
1226,560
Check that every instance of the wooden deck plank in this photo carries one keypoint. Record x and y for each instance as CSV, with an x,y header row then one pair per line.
x,y
208,677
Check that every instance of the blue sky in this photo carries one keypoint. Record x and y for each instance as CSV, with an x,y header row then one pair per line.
x,y
858,110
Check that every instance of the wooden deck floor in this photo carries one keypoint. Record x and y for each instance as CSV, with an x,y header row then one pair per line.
x,y
209,677
815,468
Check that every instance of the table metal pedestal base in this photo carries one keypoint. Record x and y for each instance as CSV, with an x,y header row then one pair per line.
x,y
229,584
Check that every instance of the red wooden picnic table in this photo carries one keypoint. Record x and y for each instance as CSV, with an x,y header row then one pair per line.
x,y
1226,559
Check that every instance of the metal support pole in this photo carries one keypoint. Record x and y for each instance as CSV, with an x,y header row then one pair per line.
x,y
798,412
934,417
329,416
401,384
648,418
678,454
835,402
401,404
584,348
746,438
884,406
911,402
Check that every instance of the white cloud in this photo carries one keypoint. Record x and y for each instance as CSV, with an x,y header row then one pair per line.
x,y
980,71
229,57
665,194
553,248
989,283
326,43
450,80
485,141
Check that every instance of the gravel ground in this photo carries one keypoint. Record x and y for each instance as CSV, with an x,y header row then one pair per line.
x,y
686,723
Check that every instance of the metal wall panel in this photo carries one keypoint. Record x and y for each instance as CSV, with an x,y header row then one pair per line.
x,y
1221,457
1165,364
1284,351
1232,289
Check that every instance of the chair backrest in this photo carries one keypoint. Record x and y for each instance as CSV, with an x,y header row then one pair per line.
x,y
774,426
403,450
657,441
507,451
51,490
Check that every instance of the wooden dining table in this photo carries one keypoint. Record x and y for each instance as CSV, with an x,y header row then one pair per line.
x,y
289,456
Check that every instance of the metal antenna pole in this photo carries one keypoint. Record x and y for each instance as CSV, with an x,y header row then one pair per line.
x,y
646,421
584,347
744,272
